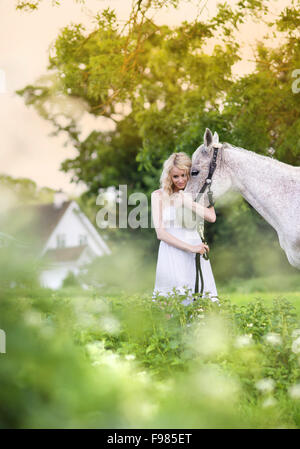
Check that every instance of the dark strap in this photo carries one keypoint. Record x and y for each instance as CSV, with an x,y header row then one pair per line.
x,y
198,272
212,167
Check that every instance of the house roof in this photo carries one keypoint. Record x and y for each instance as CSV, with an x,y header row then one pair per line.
x,y
38,220
69,254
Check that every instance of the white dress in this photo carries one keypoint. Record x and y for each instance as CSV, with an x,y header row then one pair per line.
x,y
176,267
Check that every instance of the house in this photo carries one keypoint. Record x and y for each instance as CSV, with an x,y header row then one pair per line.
x,y
65,239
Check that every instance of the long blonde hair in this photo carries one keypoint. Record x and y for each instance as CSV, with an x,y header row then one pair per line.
x,y
179,160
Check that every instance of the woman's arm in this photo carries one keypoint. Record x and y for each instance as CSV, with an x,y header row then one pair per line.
x,y
208,213
162,234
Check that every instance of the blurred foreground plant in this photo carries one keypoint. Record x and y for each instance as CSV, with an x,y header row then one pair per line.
x,y
76,359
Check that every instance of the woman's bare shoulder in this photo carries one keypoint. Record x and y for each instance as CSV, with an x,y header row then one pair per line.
x,y
157,192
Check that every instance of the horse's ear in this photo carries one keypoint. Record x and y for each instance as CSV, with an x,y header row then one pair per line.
x,y
216,137
208,137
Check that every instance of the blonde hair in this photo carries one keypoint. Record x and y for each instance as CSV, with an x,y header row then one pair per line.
x,y
179,160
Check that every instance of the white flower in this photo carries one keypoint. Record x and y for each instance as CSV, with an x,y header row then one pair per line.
x,y
210,336
269,402
130,357
294,391
250,325
211,383
296,333
110,324
296,346
33,318
95,348
148,409
273,339
243,340
82,66
265,385
143,377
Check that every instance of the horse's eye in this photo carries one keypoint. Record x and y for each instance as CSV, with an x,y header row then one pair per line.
x,y
194,172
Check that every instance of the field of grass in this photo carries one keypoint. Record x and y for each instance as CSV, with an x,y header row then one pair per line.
x,y
267,289
267,297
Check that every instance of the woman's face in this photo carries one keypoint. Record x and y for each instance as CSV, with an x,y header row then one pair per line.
x,y
179,178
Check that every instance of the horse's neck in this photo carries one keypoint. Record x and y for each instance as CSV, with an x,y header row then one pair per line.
x,y
260,180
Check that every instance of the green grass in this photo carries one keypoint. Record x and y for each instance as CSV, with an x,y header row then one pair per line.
x,y
238,291
245,298
242,292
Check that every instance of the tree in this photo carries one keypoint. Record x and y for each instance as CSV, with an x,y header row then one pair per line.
x,y
25,190
151,81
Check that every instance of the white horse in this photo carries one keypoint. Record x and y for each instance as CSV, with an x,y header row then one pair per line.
x,y
270,186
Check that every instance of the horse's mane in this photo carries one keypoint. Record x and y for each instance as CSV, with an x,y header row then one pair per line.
x,y
250,153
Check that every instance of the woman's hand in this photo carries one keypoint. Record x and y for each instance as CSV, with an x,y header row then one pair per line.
x,y
202,248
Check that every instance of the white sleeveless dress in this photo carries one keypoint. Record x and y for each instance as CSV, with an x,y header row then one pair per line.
x,y
176,267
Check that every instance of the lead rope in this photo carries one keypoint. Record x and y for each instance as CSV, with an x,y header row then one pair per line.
x,y
199,270
200,230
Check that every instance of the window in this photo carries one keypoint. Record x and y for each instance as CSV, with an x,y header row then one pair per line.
x,y
61,240
82,239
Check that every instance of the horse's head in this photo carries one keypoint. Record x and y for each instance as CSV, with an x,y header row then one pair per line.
x,y
201,161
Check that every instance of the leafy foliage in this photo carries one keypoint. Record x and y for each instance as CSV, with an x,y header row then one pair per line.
x,y
151,81
30,6
23,190
227,366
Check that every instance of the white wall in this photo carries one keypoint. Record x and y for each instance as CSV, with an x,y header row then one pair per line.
x,y
54,277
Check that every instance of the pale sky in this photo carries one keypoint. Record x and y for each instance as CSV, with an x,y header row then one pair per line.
x,y
26,150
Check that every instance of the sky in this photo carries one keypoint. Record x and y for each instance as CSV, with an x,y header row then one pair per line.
x,y
26,149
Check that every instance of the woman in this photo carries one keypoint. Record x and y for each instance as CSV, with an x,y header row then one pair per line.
x,y
178,245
